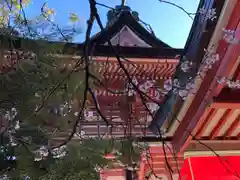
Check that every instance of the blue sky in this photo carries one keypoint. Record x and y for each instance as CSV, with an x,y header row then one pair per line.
x,y
170,24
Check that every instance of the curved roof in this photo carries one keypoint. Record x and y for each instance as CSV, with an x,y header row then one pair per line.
x,y
125,18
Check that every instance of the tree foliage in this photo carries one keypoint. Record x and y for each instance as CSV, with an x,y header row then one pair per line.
x,y
41,92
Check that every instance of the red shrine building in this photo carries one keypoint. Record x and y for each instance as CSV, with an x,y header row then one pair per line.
x,y
201,132
146,59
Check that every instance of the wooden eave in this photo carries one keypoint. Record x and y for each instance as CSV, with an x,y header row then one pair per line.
x,y
197,41
126,52
99,50
220,118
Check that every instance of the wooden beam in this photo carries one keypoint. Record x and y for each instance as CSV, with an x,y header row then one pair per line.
x,y
228,95
140,60
211,153
196,128
207,121
174,165
232,127
238,136
237,76
220,123
217,145
228,105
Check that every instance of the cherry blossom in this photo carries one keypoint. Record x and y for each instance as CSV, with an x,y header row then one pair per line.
x,y
186,66
169,84
152,106
59,152
41,153
231,36
80,134
5,177
183,93
37,95
146,86
209,13
12,141
134,81
157,93
17,125
130,88
210,60
189,89
76,113
222,80
9,115
229,83
88,114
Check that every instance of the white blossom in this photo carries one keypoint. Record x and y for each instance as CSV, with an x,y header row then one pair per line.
x,y
229,83
5,177
37,158
88,114
146,86
192,85
186,66
12,158
59,152
41,153
209,61
168,85
82,133
231,36
176,83
37,95
183,93
130,88
134,81
97,168
9,115
12,141
157,94
131,92
36,108
222,80
153,106
210,13
172,85
27,178
17,125
233,84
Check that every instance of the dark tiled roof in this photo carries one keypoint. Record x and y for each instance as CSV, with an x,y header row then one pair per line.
x,y
125,18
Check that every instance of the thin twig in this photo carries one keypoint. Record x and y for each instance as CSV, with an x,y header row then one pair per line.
x,y
179,7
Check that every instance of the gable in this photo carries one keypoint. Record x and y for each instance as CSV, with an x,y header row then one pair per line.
x,y
129,32
127,38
